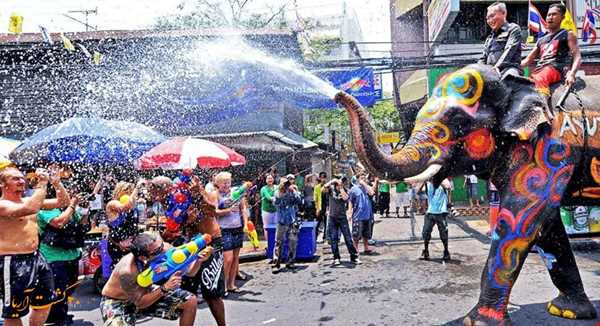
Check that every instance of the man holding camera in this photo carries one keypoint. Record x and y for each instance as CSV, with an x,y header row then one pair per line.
x,y
287,200
26,275
338,220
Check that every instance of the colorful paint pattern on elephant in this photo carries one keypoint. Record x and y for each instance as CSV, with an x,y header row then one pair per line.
x,y
463,89
591,192
541,180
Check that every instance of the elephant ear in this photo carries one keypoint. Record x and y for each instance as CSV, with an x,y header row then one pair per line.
x,y
525,111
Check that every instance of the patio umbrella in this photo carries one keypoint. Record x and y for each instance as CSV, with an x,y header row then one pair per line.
x,y
88,140
188,153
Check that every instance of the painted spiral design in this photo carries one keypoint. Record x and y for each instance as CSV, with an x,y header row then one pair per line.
x,y
465,85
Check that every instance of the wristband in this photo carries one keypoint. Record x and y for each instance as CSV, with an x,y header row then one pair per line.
x,y
163,290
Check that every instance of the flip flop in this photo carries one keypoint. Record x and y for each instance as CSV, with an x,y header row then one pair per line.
x,y
233,290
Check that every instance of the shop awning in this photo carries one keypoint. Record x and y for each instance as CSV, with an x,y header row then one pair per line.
x,y
404,6
268,141
414,88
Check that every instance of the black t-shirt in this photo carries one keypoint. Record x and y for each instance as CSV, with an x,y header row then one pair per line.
x,y
554,50
337,205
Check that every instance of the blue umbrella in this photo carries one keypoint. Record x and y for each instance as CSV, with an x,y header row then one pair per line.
x,y
88,140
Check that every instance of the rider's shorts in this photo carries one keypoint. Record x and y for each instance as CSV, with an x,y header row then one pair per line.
x,y
544,77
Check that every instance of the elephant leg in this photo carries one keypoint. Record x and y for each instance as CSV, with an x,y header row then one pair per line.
x,y
507,255
537,177
571,302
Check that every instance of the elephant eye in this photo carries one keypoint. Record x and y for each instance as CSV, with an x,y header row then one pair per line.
x,y
461,125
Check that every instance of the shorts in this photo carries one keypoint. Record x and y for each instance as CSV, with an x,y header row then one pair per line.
x,y
269,218
28,282
402,199
544,77
232,238
361,229
122,312
211,276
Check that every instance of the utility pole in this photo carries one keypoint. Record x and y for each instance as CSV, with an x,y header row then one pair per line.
x,y
86,12
426,45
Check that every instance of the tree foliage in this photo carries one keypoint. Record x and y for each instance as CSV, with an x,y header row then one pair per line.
x,y
320,46
384,117
222,13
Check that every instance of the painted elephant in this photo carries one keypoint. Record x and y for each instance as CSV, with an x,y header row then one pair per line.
x,y
476,123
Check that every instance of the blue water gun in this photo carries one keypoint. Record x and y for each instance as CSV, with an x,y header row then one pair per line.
x,y
174,260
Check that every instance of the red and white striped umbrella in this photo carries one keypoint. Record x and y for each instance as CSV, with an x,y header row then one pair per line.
x,y
188,153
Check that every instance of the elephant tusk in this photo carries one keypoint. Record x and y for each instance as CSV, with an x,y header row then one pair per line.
x,y
425,175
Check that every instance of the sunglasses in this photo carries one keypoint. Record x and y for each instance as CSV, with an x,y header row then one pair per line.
x,y
158,251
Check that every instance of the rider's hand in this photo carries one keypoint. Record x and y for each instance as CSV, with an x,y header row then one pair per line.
x,y
570,78
174,281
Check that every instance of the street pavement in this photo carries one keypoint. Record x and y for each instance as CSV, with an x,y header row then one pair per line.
x,y
392,287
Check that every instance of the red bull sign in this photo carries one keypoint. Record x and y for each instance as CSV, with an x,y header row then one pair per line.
x,y
362,83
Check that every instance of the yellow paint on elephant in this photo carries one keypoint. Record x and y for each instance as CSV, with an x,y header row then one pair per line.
x,y
472,82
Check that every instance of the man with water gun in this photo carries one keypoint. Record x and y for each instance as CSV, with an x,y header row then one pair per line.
x,y
201,219
123,297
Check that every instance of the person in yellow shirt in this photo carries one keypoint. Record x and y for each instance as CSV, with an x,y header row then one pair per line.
x,y
321,205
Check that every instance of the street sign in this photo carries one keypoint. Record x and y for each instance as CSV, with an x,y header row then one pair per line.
x,y
388,137
440,15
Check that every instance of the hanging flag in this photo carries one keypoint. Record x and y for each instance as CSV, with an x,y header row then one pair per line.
x,y
97,57
46,35
536,22
568,23
15,24
67,43
588,29
84,50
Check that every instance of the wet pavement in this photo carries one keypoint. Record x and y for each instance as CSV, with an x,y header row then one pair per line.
x,y
392,287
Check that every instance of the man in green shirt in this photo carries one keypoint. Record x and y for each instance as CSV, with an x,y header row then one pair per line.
x,y
298,179
383,199
59,246
402,198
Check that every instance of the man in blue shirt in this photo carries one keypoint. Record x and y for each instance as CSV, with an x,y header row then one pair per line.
x,y
437,211
361,211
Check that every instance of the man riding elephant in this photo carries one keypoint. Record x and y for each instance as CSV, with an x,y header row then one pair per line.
x,y
477,123
558,52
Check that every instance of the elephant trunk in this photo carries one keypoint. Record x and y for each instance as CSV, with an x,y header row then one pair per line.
x,y
408,162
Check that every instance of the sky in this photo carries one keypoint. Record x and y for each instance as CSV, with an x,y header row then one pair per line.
x,y
373,15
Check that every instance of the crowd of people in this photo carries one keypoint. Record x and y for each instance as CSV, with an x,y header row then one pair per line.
x,y
48,212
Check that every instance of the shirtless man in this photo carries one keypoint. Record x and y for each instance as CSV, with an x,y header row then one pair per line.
x,y
123,298
201,219
31,283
